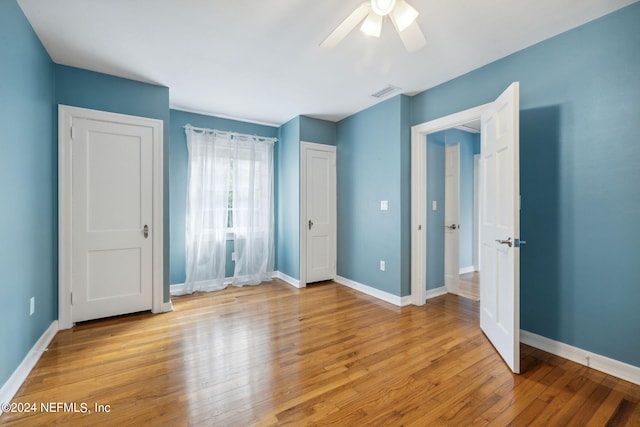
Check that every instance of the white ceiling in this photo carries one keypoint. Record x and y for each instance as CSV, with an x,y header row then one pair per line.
x,y
260,60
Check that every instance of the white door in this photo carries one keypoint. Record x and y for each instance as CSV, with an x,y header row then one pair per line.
x,y
500,220
452,217
320,226
112,229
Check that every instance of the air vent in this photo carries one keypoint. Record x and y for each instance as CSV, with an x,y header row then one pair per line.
x,y
385,91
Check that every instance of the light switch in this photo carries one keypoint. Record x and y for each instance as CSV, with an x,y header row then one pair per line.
x,y
383,266
434,205
384,205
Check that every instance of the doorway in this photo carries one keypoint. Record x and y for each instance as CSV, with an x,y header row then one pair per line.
x,y
452,207
499,217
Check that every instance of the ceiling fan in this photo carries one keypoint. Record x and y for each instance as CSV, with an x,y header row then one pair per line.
x,y
401,13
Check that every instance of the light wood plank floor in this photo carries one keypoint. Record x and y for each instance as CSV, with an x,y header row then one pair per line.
x,y
325,355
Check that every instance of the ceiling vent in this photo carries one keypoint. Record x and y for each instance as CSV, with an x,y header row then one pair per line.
x,y
384,92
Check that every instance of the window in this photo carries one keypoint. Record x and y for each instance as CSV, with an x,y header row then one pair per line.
x,y
230,195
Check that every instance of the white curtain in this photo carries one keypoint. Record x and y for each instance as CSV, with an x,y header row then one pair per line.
x,y
253,211
230,196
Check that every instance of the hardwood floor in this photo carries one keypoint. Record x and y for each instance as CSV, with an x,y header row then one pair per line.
x,y
469,285
325,355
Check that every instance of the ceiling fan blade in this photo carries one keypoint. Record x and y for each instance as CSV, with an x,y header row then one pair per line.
x,y
372,25
346,26
412,37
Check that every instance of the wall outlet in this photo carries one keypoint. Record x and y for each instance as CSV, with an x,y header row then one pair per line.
x,y
32,306
383,266
233,256
384,205
434,205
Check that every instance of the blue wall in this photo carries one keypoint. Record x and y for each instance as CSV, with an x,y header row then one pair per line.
x,y
371,147
405,196
579,171
318,131
179,158
288,203
87,89
435,219
28,180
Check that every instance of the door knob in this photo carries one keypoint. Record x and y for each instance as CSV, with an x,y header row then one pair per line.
x,y
145,231
310,224
451,227
507,242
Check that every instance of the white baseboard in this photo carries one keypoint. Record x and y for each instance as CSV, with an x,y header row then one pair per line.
x,y
583,357
285,278
11,387
177,289
469,269
384,296
433,293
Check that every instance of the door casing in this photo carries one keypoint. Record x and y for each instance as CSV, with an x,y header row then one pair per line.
x,y
419,193
66,115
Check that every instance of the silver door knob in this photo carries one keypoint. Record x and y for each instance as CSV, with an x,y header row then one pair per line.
x,y
145,231
451,227
507,242
310,224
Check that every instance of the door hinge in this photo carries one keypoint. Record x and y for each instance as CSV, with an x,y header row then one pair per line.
x,y
72,133
71,298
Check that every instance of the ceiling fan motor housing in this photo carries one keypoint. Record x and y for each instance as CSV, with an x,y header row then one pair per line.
x,y
382,7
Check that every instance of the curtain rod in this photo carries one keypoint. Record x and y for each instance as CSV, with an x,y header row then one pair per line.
x,y
232,134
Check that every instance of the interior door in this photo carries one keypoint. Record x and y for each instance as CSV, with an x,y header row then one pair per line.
x,y
321,215
112,231
452,217
500,230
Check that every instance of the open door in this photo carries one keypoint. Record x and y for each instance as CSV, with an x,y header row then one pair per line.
x,y
500,227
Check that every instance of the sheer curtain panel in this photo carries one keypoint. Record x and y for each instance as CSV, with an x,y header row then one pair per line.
x,y
230,196
253,212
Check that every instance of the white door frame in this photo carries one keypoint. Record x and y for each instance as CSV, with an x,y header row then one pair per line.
x,y
304,146
419,193
66,115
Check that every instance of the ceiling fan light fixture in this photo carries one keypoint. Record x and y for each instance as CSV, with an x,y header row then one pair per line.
x,y
370,16
372,26
404,15
382,7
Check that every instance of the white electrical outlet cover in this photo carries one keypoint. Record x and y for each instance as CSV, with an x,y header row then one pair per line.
x,y
384,205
